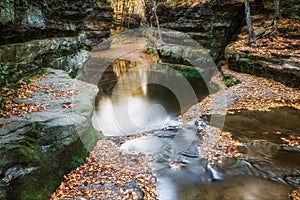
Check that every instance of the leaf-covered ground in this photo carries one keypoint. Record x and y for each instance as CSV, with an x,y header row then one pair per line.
x,y
280,41
253,93
109,173
10,96
217,145
295,194
16,101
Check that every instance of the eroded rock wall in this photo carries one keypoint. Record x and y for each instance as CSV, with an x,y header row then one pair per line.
x,y
51,33
24,20
213,26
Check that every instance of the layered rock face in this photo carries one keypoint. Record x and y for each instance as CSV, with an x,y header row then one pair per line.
x,y
51,33
26,20
284,68
38,149
212,26
275,53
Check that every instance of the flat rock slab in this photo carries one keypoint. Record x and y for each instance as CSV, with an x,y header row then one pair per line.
x,y
25,141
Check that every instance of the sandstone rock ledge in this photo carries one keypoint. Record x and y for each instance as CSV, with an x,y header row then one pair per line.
x,y
275,54
282,68
36,150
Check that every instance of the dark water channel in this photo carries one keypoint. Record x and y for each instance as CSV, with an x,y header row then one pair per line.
x,y
267,171
261,132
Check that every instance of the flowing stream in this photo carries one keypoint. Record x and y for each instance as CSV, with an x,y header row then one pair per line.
x,y
127,85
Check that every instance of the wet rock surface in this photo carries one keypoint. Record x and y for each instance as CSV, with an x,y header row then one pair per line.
x,y
40,143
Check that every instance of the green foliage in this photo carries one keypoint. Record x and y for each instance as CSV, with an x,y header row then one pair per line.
x,y
230,80
175,56
150,50
4,72
174,3
103,2
72,72
30,152
1,194
191,73
12,76
98,3
186,71
35,128
77,161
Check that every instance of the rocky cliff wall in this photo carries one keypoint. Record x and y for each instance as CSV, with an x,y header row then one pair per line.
x,y
213,26
51,33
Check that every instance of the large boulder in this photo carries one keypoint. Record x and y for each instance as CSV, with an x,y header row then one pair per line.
x,y
38,149
26,58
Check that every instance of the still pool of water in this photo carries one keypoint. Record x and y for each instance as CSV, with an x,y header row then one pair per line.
x,y
135,99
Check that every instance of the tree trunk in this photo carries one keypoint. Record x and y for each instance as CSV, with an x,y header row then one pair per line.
x,y
277,13
252,36
277,9
123,23
157,23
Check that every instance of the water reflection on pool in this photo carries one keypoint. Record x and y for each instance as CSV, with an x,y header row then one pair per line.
x,y
136,98
233,188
